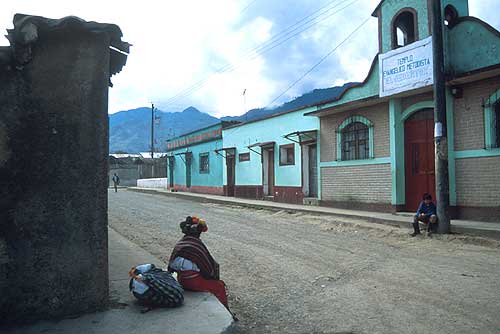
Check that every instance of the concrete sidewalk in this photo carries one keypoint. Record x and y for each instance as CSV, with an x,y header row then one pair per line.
x,y
477,228
201,312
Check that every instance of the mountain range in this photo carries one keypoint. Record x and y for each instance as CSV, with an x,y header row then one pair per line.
x,y
130,130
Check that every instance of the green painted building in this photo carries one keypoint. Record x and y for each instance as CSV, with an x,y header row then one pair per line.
x,y
193,162
377,138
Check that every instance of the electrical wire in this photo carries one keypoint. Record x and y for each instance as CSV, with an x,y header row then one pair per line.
x,y
318,63
265,47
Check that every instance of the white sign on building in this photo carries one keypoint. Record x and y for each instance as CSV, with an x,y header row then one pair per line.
x,y
406,68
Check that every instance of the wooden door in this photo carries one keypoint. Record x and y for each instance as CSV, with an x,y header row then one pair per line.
x,y
419,158
270,172
313,171
230,166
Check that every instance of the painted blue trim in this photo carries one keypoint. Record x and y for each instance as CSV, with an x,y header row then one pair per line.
x,y
416,107
348,121
494,152
396,138
450,128
364,162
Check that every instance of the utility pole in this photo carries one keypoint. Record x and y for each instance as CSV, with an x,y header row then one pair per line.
x,y
440,135
152,139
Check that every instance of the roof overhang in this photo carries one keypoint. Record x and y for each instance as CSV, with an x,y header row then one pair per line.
x,y
266,144
184,153
230,151
301,137
262,145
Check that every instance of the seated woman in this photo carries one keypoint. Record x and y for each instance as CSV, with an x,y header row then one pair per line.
x,y
196,268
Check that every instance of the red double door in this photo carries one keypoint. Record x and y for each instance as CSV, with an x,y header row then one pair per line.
x,y
419,158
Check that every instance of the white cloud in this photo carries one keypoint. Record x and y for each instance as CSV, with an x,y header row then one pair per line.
x,y
177,43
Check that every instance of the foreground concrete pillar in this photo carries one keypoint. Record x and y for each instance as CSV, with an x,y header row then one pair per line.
x,y
53,166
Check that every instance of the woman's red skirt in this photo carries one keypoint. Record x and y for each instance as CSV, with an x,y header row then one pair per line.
x,y
193,281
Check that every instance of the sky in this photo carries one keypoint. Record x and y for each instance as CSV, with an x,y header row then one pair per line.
x,y
177,44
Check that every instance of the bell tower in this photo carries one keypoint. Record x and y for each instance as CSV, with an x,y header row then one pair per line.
x,y
402,22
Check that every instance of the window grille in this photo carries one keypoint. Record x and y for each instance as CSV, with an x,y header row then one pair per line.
x,y
204,162
491,107
355,142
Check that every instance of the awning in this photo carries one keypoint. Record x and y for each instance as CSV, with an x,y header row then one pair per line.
x,y
302,136
230,151
262,145
183,155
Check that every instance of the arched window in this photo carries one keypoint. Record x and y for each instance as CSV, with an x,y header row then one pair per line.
x,y
404,28
492,121
450,15
355,139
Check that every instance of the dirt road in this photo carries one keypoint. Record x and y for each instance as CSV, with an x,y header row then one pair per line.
x,y
297,273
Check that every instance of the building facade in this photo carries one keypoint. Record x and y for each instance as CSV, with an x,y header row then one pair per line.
x,y
193,163
377,138
274,158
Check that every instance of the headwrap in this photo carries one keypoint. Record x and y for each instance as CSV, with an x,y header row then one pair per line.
x,y
193,226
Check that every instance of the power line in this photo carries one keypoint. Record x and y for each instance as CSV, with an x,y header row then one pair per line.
x,y
247,6
318,63
267,46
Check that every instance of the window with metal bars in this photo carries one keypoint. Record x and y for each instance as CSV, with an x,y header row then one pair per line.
x,y
204,162
355,142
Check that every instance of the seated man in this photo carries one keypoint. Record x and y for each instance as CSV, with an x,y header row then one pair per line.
x,y
196,268
426,213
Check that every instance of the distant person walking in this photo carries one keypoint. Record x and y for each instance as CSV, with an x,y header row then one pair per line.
x,y
116,182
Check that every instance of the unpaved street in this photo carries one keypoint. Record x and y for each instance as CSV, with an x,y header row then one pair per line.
x,y
297,273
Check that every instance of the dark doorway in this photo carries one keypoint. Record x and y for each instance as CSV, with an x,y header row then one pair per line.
x,y
419,157
271,172
268,171
230,169
313,171
171,172
188,170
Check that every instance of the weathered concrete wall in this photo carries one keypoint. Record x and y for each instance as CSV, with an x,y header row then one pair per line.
x,y
53,175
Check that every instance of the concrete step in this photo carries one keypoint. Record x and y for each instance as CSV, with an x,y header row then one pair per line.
x,y
269,198
313,201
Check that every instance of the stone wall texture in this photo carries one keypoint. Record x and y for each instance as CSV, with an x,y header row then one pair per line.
x,y
53,175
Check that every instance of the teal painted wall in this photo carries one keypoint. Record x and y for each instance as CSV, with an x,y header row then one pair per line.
x,y
390,8
211,179
271,129
472,45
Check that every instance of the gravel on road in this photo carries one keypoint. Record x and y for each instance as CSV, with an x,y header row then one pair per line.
x,y
300,273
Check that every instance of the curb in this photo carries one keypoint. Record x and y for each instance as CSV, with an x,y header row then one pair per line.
x,y
493,234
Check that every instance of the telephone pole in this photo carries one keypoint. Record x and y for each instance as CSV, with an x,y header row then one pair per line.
x,y
152,140
152,130
440,133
